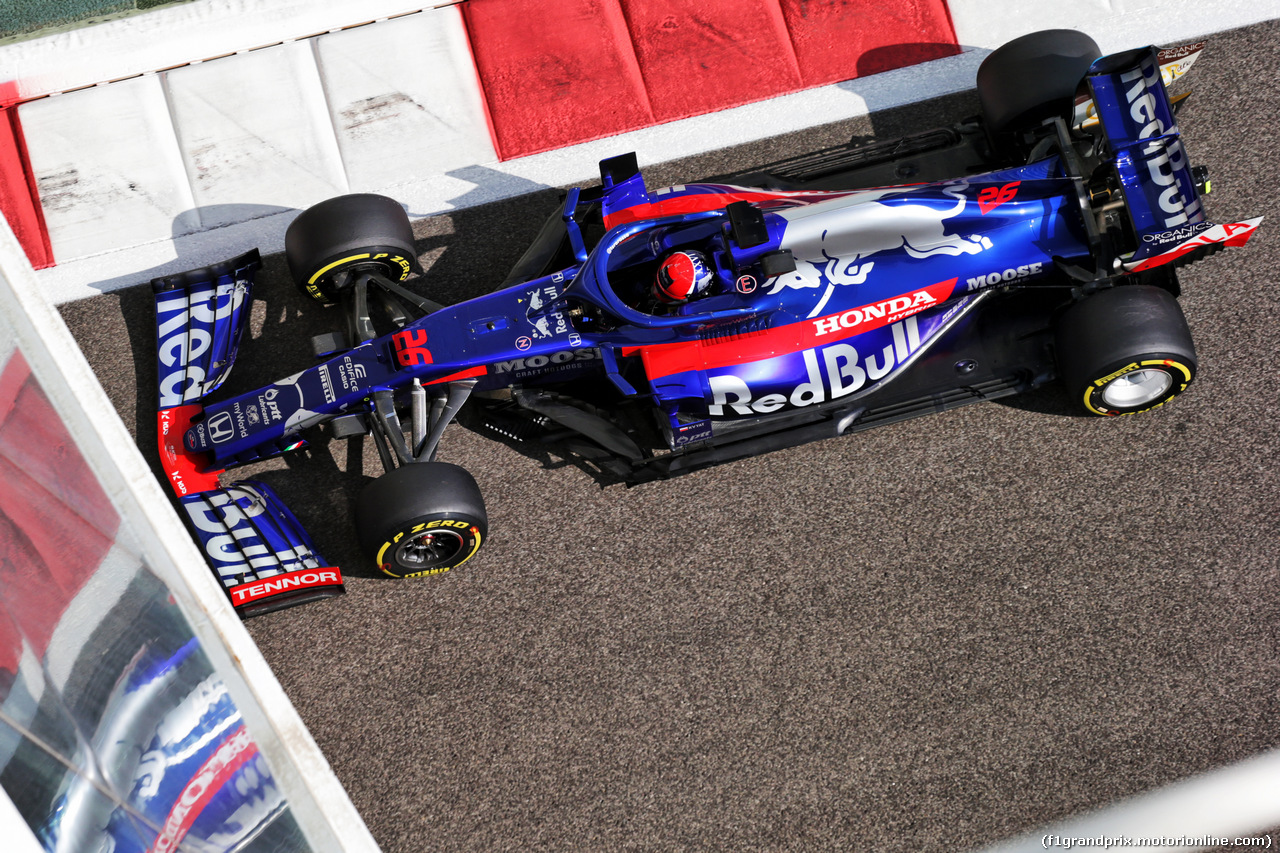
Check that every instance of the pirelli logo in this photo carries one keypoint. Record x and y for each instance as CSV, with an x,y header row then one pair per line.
x,y
1121,372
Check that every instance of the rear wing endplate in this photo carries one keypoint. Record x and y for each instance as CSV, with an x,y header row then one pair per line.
x,y
1137,119
1129,98
1174,63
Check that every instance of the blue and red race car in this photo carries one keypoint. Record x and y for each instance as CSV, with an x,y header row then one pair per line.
x,y
821,296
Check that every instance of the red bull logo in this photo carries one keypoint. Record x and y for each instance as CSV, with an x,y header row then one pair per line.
x,y
830,372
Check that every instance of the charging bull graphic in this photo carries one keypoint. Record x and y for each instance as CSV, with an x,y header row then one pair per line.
x,y
833,241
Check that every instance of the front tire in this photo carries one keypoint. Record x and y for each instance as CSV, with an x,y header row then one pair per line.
x,y
1125,350
421,519
347,234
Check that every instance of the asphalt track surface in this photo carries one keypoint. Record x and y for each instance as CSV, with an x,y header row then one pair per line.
x,y
929,636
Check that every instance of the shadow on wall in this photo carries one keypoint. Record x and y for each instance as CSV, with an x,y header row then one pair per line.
x,y
884,83
489,185
889,57
245,226
248,225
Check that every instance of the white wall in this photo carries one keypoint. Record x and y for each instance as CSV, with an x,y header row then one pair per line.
x,y
187,166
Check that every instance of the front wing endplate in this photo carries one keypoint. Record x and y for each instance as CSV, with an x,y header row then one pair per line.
x,y
264,557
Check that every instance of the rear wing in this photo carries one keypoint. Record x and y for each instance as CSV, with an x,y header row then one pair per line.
x,y
262,555
1128,98
1137,118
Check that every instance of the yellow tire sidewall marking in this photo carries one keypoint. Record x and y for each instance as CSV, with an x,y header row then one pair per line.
x,y
447,523
1098,384
320,272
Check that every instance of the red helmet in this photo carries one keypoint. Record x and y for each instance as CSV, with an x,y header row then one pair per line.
x,y
682,275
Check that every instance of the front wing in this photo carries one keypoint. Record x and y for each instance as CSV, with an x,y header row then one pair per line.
x,y
257,548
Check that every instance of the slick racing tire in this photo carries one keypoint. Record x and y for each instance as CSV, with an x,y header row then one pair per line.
x,y
1125,350
1030,79
349,233
421,519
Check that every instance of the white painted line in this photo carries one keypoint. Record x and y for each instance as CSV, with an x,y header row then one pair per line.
x,y
14,829
1114,24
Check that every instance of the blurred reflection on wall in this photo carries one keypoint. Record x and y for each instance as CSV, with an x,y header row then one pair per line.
x,y
115,732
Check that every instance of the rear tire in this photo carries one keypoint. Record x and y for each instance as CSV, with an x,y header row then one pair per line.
x,y
349,233
1125,350
1030,79
421,519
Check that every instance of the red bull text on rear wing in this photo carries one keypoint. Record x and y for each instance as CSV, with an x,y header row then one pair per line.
x,y
1137,119
1161,194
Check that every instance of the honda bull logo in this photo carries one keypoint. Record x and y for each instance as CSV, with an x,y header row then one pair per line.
x,y
830,372
836,246
185,333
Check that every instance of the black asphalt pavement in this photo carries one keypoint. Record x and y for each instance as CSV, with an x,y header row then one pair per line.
x,y
926,637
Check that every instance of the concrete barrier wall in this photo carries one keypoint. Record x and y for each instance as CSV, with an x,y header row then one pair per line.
x,y
225,118
157,156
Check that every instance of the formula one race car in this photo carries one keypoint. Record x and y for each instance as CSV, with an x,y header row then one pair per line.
x,y
651,334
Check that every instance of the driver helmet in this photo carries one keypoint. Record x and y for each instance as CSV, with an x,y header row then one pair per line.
x,y
682,275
